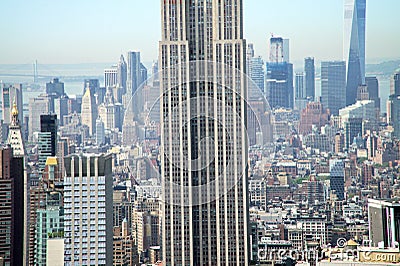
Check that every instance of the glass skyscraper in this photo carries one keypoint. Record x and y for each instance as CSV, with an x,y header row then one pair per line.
x,y
354,46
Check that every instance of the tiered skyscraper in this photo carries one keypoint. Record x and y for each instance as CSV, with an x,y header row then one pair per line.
x,y
354,46
204,148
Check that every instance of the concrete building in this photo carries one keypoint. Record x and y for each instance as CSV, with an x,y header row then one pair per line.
x,y
88,210
89,110
196,230
11,207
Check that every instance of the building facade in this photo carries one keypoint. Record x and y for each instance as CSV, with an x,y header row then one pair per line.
x,y
200,227
309,76
333,85
88,207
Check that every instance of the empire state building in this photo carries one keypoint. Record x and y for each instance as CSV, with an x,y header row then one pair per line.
x,y
203,133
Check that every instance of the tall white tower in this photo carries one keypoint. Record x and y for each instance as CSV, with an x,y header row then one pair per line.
x,y
203,133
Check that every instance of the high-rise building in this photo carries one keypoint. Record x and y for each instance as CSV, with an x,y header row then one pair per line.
x,y
279,50
55,87
133,73
100,132
354,46
48,123
16,142
11,94
336,170
309,75
11,207
313,115
333,85
394,104
279,85
111,76
37,106
373,90
353,128
89,111
299,85
205,202
88,210
122,73
255,72
384,222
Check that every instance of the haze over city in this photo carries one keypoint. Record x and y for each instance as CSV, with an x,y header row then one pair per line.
x,y
96,31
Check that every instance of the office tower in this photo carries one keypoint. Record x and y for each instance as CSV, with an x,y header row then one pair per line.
x,y
364,110
37,106
353,128
373,90
393,104
255,72
354,46
279,85
92,84
384,222
55,87
279,50
11,207
11,94
48,123
110,112
200,227
309,76
134,78
88,210
395,84
336,170
89,111
143,74
16,142
333,85
111,76
61,108
49,225
100,133
122,74
299,85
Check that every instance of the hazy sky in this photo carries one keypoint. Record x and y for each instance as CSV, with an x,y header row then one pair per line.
x,y
83,31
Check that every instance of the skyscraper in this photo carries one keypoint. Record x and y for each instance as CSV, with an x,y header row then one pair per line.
x,y
89,110
88,210
133,73
11,94
55,87
354,46
21,186
299,83
37,106
11,207
336,170
256,73
203,113
122,73
279,84
394,104
309,75
333,85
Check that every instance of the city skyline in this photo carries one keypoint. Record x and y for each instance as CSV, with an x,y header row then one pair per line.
x,y
102,36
